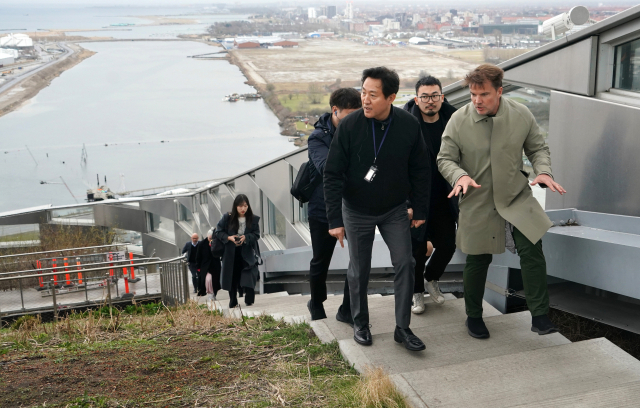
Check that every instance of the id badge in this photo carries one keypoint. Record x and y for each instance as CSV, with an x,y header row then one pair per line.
x,y
371,174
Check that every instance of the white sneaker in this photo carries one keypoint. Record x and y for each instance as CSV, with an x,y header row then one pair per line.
x,y
418,303
434,291
212,297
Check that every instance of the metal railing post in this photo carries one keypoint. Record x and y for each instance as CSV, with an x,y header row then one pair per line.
x,y
185,282
162,284
21,294
55,303
109,292
146,287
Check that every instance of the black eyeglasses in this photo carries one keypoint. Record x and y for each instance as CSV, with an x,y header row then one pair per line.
x,y
425,98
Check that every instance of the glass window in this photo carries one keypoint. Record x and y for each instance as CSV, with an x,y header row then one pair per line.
x,y
161,225
185,214
626,73
304,213
203,198
277,224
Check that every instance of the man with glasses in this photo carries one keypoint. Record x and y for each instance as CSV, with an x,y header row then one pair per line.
x,y
433,112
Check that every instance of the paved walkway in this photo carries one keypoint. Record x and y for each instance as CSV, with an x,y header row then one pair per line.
x,y
513,368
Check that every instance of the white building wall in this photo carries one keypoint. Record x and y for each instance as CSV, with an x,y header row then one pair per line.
x,y
6,59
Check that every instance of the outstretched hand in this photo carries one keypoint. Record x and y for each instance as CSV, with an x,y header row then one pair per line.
x,y
548,181
463,185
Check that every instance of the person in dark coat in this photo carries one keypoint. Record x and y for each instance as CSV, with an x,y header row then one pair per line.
x,y
207,263
191,249
433,112
240,230
343,101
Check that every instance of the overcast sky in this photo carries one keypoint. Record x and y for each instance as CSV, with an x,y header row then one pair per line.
x,y
338,3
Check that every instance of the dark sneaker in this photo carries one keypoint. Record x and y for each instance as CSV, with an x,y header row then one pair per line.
x,y
363,335
411,341
542,325
344,318
317,313
476,328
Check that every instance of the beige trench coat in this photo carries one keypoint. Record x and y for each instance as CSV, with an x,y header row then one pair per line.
x,y
489,150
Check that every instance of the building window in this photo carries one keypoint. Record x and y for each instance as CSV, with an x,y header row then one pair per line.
x,y
277,225
184,213
303,215
626,74
203,198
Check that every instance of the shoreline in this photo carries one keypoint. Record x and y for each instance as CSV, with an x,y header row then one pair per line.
x,y
287,127
23,91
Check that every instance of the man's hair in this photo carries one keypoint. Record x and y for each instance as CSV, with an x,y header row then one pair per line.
x,y
428,81
345,98
388,77
485,72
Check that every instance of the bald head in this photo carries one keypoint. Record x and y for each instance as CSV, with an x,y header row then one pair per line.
x,y
194,238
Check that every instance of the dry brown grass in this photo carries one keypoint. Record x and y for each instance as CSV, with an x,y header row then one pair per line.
x,y
376,390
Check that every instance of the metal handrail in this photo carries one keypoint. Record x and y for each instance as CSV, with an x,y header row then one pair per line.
x,y
74,266
63,250
106,268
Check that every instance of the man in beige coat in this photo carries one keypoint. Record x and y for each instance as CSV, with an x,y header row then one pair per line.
x,y
481,156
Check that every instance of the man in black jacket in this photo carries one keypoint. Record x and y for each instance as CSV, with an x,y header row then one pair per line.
x,y
433,113
377,159
191,248
343,101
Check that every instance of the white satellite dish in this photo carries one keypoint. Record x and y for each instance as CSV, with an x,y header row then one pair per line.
x,y
564,22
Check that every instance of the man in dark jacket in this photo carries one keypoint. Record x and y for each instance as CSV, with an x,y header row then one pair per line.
x,y
191,249
377,159
433,113
343,101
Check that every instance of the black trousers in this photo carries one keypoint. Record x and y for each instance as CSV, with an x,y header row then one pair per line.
x,y
442,228
249,293
214,269
323,245
193,268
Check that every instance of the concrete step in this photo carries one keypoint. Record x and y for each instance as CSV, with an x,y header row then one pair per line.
x,y
449,343
294,306
523,379
619,396
382,316
223,295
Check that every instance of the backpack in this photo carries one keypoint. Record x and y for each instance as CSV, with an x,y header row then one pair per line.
x,y
306,182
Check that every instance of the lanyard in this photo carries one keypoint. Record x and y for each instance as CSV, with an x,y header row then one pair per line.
x,y
373,129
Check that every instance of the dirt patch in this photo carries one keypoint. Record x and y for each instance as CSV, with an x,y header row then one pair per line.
x,y
155,357
35,83
328,60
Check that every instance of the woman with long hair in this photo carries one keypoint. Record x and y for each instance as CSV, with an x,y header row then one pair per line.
x,y
240,231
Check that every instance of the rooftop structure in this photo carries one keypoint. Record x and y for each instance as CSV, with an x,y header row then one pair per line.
x,y
16,41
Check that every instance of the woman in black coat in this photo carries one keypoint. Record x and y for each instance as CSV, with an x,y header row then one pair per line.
x,y
207,263
240,231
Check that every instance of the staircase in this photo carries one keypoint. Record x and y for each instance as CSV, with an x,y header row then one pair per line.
x,y
513,368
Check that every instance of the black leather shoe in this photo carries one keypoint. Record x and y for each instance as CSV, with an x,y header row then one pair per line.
x,y
476,328
362,336
542,325
317,313
411,341
344,318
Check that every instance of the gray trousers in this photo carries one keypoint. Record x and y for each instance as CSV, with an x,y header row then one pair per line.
x,y
394,227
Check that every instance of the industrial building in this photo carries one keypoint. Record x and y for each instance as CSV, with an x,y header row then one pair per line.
x,y
16,41
6,59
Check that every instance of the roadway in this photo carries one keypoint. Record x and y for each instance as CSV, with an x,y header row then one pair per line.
x,y
16,79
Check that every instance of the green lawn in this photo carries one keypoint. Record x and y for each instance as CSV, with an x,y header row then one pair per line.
x,y
300,103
